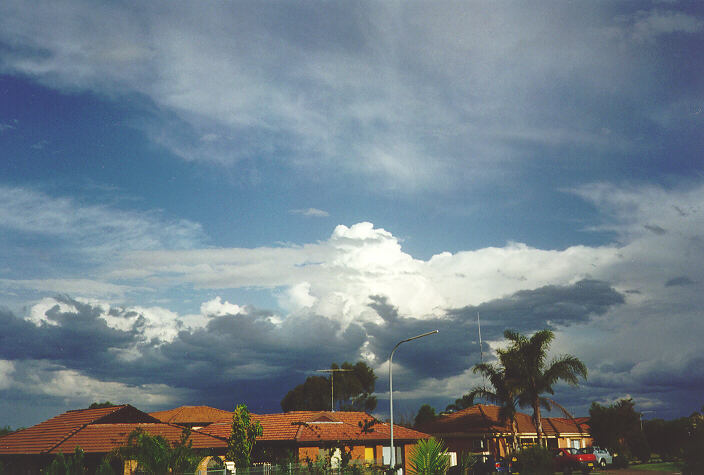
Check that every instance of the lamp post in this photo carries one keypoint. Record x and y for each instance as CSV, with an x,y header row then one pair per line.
x,y
332,375
391,389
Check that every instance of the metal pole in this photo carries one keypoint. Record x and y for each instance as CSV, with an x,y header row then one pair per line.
x,y
391,390
481,350
332,376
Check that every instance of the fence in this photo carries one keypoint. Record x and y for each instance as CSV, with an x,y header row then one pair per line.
x,y
295,469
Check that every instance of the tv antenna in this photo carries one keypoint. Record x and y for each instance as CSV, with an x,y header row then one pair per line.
x,y
481,349
332,372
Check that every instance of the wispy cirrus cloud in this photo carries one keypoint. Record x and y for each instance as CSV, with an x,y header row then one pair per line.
x,y
91,228
360,97
311,212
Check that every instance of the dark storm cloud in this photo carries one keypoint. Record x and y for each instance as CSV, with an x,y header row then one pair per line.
x,y
655,229
237,357
455,348
232,354
679,281
78,339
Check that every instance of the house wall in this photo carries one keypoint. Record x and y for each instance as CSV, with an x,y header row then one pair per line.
x,y
359,453
307,453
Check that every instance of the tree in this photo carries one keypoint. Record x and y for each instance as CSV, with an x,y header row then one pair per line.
x,y
312,395
67,465
617,427
242,438
426,414
667,438
504,394
429,457
462,403
6,430
693,454
99,405
352,390
525,362
155,456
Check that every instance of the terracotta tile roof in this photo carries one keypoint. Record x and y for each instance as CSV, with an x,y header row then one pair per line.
x,y
482,419
43,437
191,415
314,426
102,438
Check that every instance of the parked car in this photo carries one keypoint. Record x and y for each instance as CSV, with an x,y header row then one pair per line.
x,y
603,456
568,460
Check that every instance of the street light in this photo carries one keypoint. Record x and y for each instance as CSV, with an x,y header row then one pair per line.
x,y
332,375
391,390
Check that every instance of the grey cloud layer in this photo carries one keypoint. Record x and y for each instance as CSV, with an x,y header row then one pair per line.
x,y
217,361
409,95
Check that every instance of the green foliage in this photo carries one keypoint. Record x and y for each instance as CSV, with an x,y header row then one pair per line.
x,y
67,465
462,403
466,461
504,394
6,430
529,372
182,457
535,460
426,414
620,461
667,438
353,391
155,456
242,438
312,395
693,456
105,468
429,457
151,452
99,405
617,427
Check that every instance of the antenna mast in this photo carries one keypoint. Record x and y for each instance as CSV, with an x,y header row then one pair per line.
x,y
332,386
481,349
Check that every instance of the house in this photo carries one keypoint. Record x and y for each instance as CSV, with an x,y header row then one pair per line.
x,y
301,436
193,417
478,429
297,436
96,431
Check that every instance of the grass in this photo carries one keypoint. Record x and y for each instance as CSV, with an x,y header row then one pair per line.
x,y
661,466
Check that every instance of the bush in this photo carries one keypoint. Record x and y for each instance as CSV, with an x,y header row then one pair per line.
x,y
536,460
429,457
620,461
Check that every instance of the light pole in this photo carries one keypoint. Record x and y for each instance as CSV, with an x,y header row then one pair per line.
x,y
332,375
391,390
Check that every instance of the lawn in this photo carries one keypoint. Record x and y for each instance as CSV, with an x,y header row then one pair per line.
x,y
661,466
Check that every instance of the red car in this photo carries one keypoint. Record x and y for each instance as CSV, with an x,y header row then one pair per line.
x,y
568,460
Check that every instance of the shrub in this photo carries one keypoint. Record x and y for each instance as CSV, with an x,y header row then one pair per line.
x,y
620,461
535,460
429,457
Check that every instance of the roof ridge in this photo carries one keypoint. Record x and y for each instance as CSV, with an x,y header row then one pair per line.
x,y
78,429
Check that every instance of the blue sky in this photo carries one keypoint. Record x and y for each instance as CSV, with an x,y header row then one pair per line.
x,y
222,198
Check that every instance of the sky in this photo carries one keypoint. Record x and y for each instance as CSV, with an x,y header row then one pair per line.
x,y
204,203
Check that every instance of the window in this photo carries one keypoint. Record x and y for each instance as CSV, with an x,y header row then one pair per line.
x,y
478,445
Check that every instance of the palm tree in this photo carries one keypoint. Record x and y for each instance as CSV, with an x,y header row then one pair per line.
x,y
527,369
504,395
429,457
